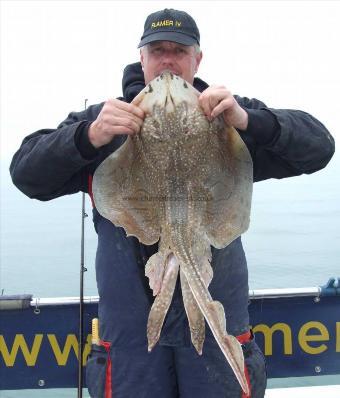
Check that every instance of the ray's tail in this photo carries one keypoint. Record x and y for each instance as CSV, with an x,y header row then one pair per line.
x,y
213,311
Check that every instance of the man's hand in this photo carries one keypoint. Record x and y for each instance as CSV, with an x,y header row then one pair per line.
x,y
216,100
116,117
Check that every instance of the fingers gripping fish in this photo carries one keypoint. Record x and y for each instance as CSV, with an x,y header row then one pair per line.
x,y
187,183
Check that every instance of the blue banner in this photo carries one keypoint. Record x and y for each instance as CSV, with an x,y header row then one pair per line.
x,y
300,336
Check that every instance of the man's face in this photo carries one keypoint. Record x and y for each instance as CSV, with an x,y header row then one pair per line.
x,y
166,55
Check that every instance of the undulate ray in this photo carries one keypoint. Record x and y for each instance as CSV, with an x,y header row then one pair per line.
x,y
187,183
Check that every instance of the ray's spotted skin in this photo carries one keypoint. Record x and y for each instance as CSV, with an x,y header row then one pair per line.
x,y
186,182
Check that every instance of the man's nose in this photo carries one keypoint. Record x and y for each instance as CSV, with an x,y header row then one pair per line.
x,y
168,57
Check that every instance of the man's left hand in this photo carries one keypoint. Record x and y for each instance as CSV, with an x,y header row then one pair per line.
x,y
216,100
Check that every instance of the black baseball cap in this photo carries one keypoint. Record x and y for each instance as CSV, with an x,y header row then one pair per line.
x,y
170,25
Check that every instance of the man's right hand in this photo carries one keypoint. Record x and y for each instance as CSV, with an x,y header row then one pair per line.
x,y
116,117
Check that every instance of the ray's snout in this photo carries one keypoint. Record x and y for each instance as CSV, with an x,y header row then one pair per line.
x,y
167,99
167,91
173,95
166,74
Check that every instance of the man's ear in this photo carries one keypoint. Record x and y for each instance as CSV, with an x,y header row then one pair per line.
x,y
141,58
198,60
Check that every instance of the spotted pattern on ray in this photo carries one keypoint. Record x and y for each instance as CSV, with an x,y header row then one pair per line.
x,y
186,182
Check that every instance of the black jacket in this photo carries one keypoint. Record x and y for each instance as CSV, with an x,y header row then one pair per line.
x,y
55,162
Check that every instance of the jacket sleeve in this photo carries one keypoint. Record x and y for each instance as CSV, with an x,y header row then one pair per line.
x,y
49,162
283,142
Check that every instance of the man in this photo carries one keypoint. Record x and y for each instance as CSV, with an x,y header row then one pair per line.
x,y
52,163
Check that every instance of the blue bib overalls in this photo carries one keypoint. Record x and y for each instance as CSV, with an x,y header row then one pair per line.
x,y
173,368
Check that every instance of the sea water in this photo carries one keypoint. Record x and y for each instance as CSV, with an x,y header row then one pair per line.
x,y
293,241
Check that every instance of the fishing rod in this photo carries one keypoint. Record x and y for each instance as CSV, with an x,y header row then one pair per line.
x,y
81,293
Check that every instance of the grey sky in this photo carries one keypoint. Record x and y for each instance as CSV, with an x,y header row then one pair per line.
x,y
54,54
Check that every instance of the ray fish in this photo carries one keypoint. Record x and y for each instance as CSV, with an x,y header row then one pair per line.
x,y
185,182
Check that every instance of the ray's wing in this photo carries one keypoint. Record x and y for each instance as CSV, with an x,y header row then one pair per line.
x,y
229,186
123,193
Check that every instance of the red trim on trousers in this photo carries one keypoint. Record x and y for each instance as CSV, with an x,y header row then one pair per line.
x,y
246,373
108,378
243,339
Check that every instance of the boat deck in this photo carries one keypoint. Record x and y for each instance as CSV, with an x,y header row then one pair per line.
x,y
305,392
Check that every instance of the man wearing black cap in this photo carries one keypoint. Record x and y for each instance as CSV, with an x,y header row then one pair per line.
x,y
170,41
52,163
